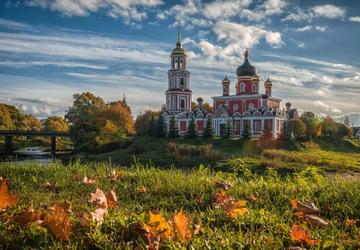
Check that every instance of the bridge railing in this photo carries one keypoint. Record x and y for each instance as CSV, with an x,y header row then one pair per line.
x,y
34,133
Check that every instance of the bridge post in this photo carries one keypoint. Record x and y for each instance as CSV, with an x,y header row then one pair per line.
x,y
53,146
8,145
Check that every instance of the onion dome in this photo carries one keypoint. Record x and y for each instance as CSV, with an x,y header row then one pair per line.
x,y
288,104
246,69
268,83
226,80
199,100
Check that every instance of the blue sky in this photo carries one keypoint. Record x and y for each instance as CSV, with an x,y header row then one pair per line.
x,y
51,49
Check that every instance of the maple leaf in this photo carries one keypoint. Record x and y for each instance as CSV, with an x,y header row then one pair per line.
x,y
221,199
152,238
111,198
297,233
181,222
158,223
88,181
28,216
98,215
99,198
58,223
236,209
65,207
6,199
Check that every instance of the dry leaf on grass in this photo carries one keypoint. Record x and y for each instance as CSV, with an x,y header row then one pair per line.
x,y
223,185
157,223
99,198
57,222
297,233
111,198
316,221
88,182
98,215
237,209
350,222
181,222
140,190
6,199
28,216
115,175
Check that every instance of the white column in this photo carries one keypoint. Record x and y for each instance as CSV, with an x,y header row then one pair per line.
x,y
273,127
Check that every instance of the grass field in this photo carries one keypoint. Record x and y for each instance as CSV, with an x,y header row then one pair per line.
x,y
267,224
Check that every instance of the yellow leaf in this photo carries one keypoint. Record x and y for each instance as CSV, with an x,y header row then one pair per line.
x,y
299,234
159,224
182,225
6,199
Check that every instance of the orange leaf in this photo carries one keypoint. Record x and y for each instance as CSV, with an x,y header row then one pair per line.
x,y
350,222
6,199
237,209
158,223
299,234
99,198
115,175
222,199
140,190
294,203
182,225
111,198
88,182
57,222
28,216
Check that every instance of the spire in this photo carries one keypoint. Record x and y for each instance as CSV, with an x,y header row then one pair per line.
x,y
246,53
178,44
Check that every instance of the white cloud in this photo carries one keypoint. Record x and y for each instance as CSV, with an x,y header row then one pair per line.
x,y
224,9
354,18
310,27
327,107
127,9
326,11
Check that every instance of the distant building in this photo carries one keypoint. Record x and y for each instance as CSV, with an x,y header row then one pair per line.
x,y
246,105
356,132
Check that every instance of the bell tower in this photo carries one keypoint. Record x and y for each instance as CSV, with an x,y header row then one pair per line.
x,y
178,95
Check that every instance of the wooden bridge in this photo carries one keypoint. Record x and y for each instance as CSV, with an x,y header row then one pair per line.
x,y
10,134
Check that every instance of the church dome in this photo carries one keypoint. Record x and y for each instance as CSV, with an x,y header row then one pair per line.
x,y
246,69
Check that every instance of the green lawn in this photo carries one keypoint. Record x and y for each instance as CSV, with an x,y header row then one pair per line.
x,y
266,226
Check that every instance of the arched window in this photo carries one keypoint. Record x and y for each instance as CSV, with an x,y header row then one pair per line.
x,y
181,63
182,84
236,107
182,104
254,87
242,87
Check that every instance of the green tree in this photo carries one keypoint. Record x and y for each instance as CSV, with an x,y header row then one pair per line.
x,y
209,131
329,128
246,132
343,131
298,128
143,120
82,117
312,124
347,121
287,130
191,132
151,130
228,130
173,128
160,128
55,123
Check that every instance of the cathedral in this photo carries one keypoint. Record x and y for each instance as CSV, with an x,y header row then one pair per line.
x,y
246,105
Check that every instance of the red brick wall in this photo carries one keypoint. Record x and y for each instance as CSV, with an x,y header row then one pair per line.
x,y
183,126
200,126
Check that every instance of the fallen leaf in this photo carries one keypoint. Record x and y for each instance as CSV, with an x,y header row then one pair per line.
x,y
350,222
316,221
297,233
99,198
237,209
50,186
221,199
140,190
28,216
88,182
65,206
158,223
294,203
181,222
111,198
6,199
142,230
115,175
223,185
58,223
98,215
308,207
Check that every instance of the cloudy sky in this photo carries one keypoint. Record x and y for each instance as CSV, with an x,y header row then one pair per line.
x,y
51,49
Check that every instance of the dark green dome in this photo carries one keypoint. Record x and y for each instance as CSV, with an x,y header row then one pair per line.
x,y
246,69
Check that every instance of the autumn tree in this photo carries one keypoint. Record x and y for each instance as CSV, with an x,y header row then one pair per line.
x,y
209,131
298,128
343,131
55,123
6,123
191,133
312,124
173,128
329,127
143,121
